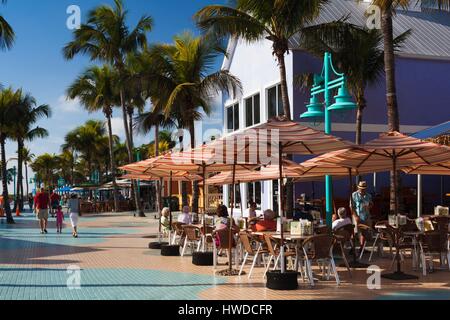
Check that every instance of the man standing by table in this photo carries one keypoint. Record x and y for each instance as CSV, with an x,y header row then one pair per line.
x,y
361,204
42,203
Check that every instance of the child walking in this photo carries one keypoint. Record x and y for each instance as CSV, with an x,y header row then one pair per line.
x,y
59,219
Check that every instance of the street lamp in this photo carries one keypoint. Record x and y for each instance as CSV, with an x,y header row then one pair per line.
x,y
323,84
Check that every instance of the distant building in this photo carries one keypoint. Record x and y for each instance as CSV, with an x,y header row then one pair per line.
x,y
423,79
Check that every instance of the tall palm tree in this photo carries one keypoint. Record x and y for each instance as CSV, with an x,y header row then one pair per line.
x,y
6,33
46,166
30,113
27,158
274,20
107,37
188,84
388,8
96,90
9,106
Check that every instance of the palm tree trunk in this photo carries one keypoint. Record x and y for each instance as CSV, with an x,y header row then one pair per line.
x,y
129,143
7,208
26,178
158,184
195,188
361,102
130,120
287,111
391,92
19,196
108,115
184,195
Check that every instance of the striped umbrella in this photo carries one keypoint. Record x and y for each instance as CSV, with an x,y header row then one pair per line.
x,y
436,169
178,176
391,151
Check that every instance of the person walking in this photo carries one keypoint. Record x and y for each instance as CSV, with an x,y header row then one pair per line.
x,y
74,211
59,219
54,200
42,203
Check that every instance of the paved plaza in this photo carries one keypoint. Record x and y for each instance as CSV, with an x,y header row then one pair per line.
x,y
115,264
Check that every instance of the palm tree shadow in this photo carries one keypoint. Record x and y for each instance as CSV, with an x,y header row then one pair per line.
x,y
22,252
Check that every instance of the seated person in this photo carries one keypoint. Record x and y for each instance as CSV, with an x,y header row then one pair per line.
x,y
223,220
343,219
303,213
165,220
252,216
185,217
269,222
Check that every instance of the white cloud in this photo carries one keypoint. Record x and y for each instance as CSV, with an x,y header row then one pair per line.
x,y
67,105
118,127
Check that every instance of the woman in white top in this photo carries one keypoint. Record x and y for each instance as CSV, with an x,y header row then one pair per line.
x,y
74,210
185,216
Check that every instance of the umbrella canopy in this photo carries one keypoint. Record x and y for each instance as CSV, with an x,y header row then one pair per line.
x,y
291,136
391,151
183,177
437,169
269,172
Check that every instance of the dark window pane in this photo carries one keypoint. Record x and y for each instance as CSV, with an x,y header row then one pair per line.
x,y
230,119
272,98
248,112
280,102
257,109
258,193
275,196
236,117
251,194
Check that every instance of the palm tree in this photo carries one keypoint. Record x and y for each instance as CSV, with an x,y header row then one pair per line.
x,y
27,158
96,90
388,8
23,131
9,106
187,84
6,33
46,166
274,20
107,37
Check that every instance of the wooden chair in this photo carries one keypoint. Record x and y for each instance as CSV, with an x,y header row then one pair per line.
x,y
178,232
275,254
192,239
223,238
380,238
368,233
321,252
345,235
250,251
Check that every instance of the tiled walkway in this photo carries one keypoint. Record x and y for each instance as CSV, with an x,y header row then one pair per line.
x,y
114,263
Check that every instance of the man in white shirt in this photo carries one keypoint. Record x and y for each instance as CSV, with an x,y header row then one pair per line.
x,y
343,220
185,217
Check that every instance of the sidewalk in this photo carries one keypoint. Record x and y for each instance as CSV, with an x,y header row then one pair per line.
x,y
115,264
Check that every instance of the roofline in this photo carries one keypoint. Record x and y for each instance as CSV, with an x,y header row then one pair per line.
x,y
402,55
231,49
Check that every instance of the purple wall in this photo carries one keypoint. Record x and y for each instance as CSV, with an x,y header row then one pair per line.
x,y
424,100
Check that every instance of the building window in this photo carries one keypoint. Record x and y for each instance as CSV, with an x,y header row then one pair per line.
x,y
252,110
275,102
233,118
237,196
254,193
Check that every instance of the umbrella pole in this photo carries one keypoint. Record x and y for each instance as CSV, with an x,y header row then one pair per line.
x,y
204,207
170,198
282,213
230,235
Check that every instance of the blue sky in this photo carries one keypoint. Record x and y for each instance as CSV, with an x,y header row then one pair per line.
x,y
36,64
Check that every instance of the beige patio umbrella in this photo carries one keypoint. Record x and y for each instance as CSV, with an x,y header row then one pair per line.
x,y
436,169
391,151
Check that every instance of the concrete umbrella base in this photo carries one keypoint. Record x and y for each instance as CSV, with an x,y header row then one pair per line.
x,y
156,245
170,251
203,259
282,281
